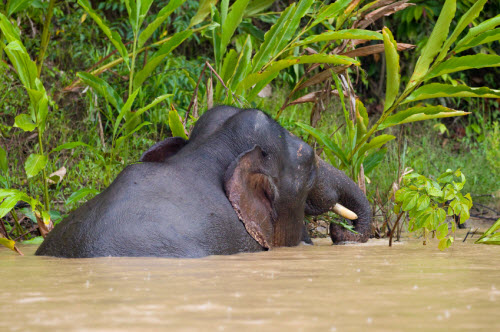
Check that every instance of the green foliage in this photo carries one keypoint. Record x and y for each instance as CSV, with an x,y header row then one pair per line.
x,y
428,203
492,235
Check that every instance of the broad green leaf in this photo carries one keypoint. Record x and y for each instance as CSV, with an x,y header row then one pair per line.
x,y
69,146
326,141
373,160
34,164
257,6
342,34
8,204
24,122
487,37
280,33
392,58
175,124
277,66
419,113
17,5
80,194
436,90
436,40
102,88
410,201
464,63
8,243
140,111
444,244
331,11
159,55
375,143
479,29
160,18
143,10
434,191
113,36
133,12
493,228
4,167
24,66
203,10
442,231
423,202
464,21
125,109
231,22
10,31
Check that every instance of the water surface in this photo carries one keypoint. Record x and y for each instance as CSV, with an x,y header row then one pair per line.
x,y
320,288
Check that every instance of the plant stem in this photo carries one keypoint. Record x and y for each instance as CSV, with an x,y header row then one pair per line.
x,y
44,176
45,36
132,67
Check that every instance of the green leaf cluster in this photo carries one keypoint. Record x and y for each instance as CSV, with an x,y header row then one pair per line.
x,y
428,202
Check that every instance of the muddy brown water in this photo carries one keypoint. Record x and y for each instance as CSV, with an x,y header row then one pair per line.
x,y
306,288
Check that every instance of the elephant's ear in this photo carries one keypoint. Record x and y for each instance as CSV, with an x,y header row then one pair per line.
x,y
164,149
252,193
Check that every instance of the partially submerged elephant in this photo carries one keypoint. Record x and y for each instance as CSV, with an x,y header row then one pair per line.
x,y
242,183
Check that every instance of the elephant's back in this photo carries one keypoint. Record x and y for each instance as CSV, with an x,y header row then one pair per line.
x,y
152,210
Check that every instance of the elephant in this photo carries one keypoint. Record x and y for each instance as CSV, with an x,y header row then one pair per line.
x,y
241,183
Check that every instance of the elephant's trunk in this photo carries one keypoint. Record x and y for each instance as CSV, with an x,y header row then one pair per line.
x,y
333,186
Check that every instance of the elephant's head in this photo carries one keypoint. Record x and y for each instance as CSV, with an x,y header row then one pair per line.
x,y
271,177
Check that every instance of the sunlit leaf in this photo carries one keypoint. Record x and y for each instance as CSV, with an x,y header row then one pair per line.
x,y
464,21
375,143
34,164
484,38
436,40
392,58
231,22
8,243
342,34
437,90
419,113
331,11
160,18
476,31
410,201
24,122
175,124
17,5
80,194
272,71
464,63
203,10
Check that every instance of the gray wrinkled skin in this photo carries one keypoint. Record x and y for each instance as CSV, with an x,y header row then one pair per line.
x,y
175,204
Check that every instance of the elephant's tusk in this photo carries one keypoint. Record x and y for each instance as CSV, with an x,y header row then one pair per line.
x,y
344,212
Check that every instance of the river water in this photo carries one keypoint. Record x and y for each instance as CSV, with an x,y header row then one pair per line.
x,y
306,288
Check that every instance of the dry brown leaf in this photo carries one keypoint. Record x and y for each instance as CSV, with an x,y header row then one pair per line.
x,y
373,49
42,227
311,97
322,76
57,176
384,11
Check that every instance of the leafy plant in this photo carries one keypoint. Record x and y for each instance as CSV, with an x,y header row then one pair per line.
x,y
137,11
356,146
429,202
490,237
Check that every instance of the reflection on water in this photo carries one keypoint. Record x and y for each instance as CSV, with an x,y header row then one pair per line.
x,y
322,287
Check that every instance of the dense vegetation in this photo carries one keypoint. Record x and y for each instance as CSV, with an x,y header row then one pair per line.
x,y
88,86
